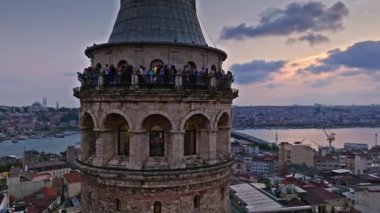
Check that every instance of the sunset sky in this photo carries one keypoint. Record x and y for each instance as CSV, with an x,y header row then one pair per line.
x,y
282,52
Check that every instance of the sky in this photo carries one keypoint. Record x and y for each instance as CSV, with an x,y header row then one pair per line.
x,y
282,52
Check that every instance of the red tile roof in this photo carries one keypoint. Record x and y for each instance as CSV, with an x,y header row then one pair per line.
x,y
72,177
320,196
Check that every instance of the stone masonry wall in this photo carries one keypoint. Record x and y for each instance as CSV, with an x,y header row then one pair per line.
x,y
97,197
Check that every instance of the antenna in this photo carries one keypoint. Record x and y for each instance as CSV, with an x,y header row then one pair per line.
x,y
205,27
276,138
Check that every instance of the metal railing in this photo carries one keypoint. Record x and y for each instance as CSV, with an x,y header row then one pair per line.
x,y
187,81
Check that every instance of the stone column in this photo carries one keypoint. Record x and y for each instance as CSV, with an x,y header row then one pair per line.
x,y
88,140
100,80
213,158
223,141
213,81
135,80
105,146
176,150
178,80
139,149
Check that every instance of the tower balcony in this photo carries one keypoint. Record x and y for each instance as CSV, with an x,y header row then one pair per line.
x,y
218,81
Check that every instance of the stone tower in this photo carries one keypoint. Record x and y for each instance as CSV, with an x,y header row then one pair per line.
x,y
155,115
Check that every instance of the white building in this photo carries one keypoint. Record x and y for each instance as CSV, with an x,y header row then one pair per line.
x,y
367,198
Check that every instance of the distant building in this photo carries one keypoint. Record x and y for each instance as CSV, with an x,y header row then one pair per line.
x,y
54,168
326,163
262,165
357,164
297,154
356,146
71,153
36,107
20,183
252,199
31,157
72,186
367,198
322,200
44,200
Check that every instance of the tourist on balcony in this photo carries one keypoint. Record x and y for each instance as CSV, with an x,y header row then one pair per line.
x,y
113,73
166,74
107,72
128,75
151,75
161,75
141,74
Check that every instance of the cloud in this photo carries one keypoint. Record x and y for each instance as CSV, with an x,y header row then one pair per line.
x,y
256,71
12,79
322,82
295,18
362,57
70,74
312,39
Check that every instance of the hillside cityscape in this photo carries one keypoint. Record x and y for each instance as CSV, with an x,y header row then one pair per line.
x,y
36,120
167,122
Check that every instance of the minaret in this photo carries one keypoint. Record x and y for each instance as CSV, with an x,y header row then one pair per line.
x,y
155,115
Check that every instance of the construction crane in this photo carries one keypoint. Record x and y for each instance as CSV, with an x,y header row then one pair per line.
x,y
317,144
330,137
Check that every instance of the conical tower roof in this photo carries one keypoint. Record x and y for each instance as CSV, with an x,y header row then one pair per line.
x,y
158,21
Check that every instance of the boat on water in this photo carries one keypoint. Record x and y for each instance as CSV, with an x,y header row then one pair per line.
x,y
59,135
14,141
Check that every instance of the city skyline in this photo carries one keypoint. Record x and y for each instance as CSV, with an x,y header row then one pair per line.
x,y
328,57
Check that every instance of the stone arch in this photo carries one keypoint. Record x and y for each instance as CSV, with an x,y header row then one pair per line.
x,y
98,66
223,126
118,112
88,146
196,136
192,65
157,207
93,117
189,115
219,116
158,127
122,63
157,63
116,137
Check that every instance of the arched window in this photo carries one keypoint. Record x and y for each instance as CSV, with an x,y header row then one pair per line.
x,y
117,205
98,66
197,202
157,207
196,134
157,142
222,191
89,197
123,140
157,64
192,65
190,143
122,63
213,67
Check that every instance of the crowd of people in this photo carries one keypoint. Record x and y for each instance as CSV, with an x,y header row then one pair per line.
x,y
155,75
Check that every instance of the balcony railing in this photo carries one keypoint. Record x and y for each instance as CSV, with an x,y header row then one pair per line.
x,y
220,82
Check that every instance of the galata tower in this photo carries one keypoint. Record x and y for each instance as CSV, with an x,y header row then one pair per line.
x,y
155,115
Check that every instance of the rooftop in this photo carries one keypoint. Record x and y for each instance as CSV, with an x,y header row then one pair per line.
x,y
158,21
257,201
72,177
45,164
316,196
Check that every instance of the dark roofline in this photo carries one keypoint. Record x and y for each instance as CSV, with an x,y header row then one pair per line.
x,y
109,45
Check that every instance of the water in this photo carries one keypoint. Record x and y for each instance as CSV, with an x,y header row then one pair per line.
x,y
353,135
349,135
48,145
